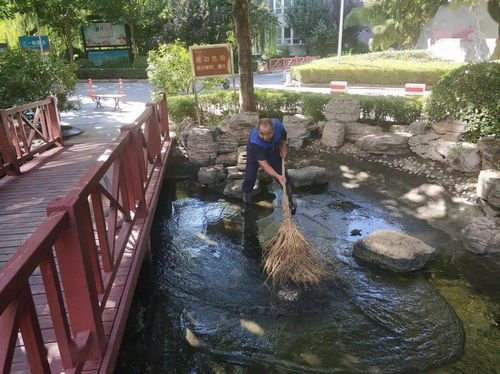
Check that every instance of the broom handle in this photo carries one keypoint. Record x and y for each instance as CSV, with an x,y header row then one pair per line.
x,y
283,171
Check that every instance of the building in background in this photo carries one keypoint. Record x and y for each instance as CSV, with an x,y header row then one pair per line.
x,y
285,34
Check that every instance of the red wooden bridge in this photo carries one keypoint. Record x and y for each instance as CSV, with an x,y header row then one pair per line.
x,y
74,229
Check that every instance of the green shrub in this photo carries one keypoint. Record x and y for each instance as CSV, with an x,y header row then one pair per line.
x,y
118,63
28,76
84,63
276,104
385,68
124,73
141,62
180,107
396,109
471,94
169,69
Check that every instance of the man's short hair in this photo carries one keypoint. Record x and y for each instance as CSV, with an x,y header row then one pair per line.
x,y
266,122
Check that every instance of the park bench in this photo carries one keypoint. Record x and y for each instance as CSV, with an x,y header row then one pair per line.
x,y
117,98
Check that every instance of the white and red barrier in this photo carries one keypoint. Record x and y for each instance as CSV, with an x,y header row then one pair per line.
x,y
338,87
414,89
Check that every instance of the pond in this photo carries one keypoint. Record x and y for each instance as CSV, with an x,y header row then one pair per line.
x,y
202,306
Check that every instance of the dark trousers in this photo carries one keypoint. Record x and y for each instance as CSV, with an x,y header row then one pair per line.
x,y
251,176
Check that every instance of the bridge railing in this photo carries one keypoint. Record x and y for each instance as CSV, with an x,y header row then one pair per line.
x,y
288,62
89,234
28,130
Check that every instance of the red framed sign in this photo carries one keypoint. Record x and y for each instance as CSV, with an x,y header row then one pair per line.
x,y
214,60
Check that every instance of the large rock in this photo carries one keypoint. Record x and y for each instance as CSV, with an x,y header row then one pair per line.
x,y
488,187
333,134
391,144
308,176
233,189
240,125
430,146
482,236
226,143
342,109
450,130
298,128
418,128
242,158
227,159
234,173
355,131
490,150
401,129
212,174
464,157
201,147
183,128
393,250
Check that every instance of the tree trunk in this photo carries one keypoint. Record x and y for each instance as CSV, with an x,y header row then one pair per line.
x,y
69,39
241,15
135,49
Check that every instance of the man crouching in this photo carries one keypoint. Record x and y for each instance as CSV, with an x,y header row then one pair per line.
x,y
267,145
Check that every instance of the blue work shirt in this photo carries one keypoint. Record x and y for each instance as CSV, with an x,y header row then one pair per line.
x,y
259,150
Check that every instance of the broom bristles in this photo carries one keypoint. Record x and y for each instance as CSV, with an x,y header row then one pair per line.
x,y
290,257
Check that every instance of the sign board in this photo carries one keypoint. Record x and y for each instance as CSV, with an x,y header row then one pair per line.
x,y
105,34
211,60
33,42
98,57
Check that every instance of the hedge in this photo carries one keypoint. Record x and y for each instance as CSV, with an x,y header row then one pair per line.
x,y
275,104
115,73
375,68
471,94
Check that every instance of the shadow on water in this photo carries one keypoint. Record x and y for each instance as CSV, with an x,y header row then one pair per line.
x,y
201,305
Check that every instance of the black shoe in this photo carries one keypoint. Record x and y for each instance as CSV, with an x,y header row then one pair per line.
x,y
246,209
293,209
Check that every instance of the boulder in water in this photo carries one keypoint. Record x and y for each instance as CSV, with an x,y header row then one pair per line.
x,y
308,176
393,250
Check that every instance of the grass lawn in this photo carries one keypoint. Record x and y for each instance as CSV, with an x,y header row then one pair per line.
x,y
384,68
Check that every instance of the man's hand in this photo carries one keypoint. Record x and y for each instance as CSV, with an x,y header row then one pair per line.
x,y
281,179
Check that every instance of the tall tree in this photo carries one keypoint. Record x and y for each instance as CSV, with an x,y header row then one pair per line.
x,y
64,16
241,16
309,19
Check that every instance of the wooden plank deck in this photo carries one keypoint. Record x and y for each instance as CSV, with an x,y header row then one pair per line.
x,y
23,200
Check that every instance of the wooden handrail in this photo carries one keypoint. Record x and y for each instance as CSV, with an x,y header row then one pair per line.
x,y
18,133
68,237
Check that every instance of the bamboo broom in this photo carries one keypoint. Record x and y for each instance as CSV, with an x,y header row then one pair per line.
x,y
289,257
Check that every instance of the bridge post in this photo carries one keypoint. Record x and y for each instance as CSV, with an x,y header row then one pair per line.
x,y
153,132
133,166
54,120
165,131
75,266
7,147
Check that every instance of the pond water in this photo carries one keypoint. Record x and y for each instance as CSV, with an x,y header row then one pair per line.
x,y
202,306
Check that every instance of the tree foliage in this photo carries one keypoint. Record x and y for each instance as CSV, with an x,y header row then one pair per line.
x,y
312,23
28,76
170,69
